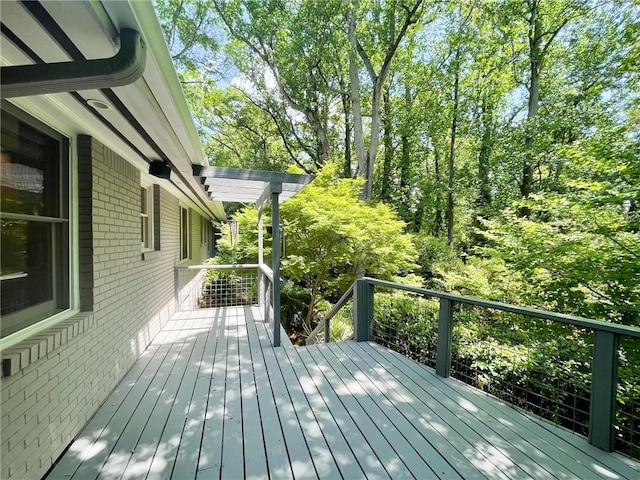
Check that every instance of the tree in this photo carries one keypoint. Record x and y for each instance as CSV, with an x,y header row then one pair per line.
x,y
276,34
330,233
383,43
579,250
192,36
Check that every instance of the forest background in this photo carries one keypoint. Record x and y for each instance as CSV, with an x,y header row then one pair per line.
x,y
490,148
505,134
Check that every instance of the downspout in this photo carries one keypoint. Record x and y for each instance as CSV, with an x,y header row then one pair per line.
x,y
123,68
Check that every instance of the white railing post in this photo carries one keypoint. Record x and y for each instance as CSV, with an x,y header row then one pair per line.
x,y
276,189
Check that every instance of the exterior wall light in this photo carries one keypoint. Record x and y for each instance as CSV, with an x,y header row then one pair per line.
x,y
160,169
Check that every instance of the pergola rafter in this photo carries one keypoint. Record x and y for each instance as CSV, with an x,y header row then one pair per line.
x,y
260,187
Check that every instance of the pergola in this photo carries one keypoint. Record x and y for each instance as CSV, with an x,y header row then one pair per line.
x,y
260,187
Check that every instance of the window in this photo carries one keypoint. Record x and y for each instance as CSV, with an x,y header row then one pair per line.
x,y
34,212
185,233
203,230
146,218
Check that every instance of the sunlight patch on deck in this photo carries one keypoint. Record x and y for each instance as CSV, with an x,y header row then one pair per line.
x,y
211,398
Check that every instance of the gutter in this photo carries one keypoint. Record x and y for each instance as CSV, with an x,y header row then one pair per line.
x,y
123,68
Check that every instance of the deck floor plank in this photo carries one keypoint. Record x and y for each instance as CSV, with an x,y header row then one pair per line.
x,y
352,453
118,459
212,398
253,441
513,445
94,436
165,454
420,453
112,420
210,460
149,441
199,377
279,466
469,439
460,449
232,447
379,440
546,451
301,454
315,428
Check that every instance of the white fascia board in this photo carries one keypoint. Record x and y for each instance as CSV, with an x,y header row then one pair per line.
x,y
172,101
158,97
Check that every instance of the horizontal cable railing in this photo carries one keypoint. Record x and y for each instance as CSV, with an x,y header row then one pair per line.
x,y
577,372
213,286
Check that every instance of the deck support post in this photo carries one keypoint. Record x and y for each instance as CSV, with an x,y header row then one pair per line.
x,y
363,310
276,190
327,331
445,328
261,286
604,383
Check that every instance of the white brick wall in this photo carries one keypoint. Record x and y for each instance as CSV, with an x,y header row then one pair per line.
x,y
45,405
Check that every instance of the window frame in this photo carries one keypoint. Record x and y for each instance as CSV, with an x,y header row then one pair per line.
x,y
65,295
147,244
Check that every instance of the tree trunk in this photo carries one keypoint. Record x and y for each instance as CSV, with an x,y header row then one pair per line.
x,y
452,147
366,160
385,184
354,90
405,163
535,60
347,136
437,221
486,139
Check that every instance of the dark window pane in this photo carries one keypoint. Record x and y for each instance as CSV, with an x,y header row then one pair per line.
x,y
34,262
29,170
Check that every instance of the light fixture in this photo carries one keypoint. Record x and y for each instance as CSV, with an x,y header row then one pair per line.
x,y
160,169
98,104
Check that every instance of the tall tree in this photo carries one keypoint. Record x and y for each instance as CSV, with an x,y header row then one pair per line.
x,y
383,42
291,42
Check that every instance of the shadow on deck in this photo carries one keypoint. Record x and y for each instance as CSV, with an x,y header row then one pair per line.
x,y
211,398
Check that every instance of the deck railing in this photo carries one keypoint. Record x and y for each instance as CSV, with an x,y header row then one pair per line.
x,y
214,286
561,367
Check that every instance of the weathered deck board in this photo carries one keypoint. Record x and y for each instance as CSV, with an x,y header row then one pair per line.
x,y
211,398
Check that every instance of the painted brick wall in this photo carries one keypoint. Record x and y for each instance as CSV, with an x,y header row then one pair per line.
x,y
44,406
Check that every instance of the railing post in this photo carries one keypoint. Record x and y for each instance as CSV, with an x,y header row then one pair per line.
x,y
327,331
259,286
604,383
363,310
276,189
445,328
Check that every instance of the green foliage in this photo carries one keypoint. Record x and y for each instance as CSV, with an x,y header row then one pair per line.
x,y
244,248
566,242
579,250
331,234
341,325
408,324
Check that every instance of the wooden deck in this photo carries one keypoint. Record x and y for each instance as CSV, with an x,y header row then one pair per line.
x,y
210,398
